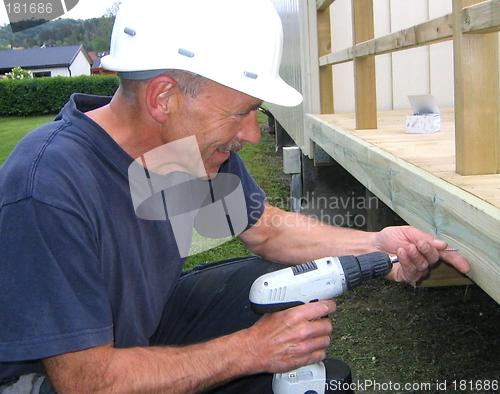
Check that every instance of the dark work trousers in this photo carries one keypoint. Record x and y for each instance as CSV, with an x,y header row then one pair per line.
x,y
211,301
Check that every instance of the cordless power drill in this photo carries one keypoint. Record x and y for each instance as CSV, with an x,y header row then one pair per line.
x,y
321,279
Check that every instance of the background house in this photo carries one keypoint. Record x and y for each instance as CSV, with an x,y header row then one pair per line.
x,y
68,61
97,68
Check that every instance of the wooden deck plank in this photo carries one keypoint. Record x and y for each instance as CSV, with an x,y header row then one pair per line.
x,y
415,176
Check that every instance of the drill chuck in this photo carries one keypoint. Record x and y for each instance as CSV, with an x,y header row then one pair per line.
x,y
358,269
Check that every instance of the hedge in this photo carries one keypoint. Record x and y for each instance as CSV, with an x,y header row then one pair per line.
x,y
44,96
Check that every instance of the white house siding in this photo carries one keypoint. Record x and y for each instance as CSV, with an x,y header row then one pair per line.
x,y
441,59
410,68
80,65
55,72
383,63
343,74
417,71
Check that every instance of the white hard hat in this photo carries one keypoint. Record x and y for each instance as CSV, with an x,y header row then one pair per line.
x,y
237,43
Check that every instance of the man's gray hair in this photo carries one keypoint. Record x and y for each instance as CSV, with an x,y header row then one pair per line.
x,y
189,83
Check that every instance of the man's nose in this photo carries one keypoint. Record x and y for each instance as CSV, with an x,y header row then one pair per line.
x,y
250,130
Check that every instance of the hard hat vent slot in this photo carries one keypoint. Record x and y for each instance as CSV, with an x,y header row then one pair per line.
x,y
185,52
130,32
250,75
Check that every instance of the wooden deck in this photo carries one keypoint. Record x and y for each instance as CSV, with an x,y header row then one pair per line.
x,y
414,174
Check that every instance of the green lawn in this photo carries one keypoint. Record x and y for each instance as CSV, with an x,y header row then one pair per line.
x,y
13,129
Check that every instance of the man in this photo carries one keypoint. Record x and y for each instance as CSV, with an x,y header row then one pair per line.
x,y
92,295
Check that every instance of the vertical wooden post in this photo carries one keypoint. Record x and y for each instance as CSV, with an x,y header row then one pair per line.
x,y
364,68
324,48
476,98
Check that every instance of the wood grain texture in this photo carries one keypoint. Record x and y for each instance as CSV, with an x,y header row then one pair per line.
x,y
414,175
325,72
444,275
476,98
365,86
480,18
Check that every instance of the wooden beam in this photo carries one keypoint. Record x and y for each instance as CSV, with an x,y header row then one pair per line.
x,y
325,72
476,98
480,18
423,200
444,275
322,5
430,32
365,86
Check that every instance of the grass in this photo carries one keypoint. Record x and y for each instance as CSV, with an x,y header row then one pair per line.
x,y
13,129
391,332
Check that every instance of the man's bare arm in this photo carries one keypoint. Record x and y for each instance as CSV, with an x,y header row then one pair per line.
x,y
276,343
106,369
293,238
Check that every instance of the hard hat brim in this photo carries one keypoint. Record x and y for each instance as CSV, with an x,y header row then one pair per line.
x,y
278,92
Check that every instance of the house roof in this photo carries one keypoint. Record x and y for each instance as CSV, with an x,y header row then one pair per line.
x,y
40,57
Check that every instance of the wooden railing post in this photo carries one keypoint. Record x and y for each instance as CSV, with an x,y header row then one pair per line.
x,y
324,48
477,133
364,68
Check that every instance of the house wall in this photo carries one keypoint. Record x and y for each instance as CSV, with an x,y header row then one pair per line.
x,y
418,71
292,14
56,72
80,65
424,70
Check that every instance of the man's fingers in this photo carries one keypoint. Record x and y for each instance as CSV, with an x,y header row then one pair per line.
x,y
408,270
430,253
416,258
310,346
312,311
439,244
455,259
318,328
318,356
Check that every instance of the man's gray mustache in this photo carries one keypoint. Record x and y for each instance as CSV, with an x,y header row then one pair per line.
x,y
233,146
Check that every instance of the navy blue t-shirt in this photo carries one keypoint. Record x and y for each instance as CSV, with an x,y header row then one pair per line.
x,y
78,268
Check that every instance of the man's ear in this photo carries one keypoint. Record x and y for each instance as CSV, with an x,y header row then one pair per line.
x,y
161,98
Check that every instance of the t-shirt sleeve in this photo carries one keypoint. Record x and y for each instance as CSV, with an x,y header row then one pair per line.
x,y
53,299
254,196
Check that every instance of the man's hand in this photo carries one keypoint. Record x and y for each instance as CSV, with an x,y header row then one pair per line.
x,y
417,252
290,339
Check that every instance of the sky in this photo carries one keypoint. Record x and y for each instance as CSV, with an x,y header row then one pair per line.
x,y
85,9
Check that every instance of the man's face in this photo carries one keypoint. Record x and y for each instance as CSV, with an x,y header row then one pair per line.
x,y
222,119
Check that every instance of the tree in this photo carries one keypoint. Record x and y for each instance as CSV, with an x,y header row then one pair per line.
x,y
112,11
93,34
